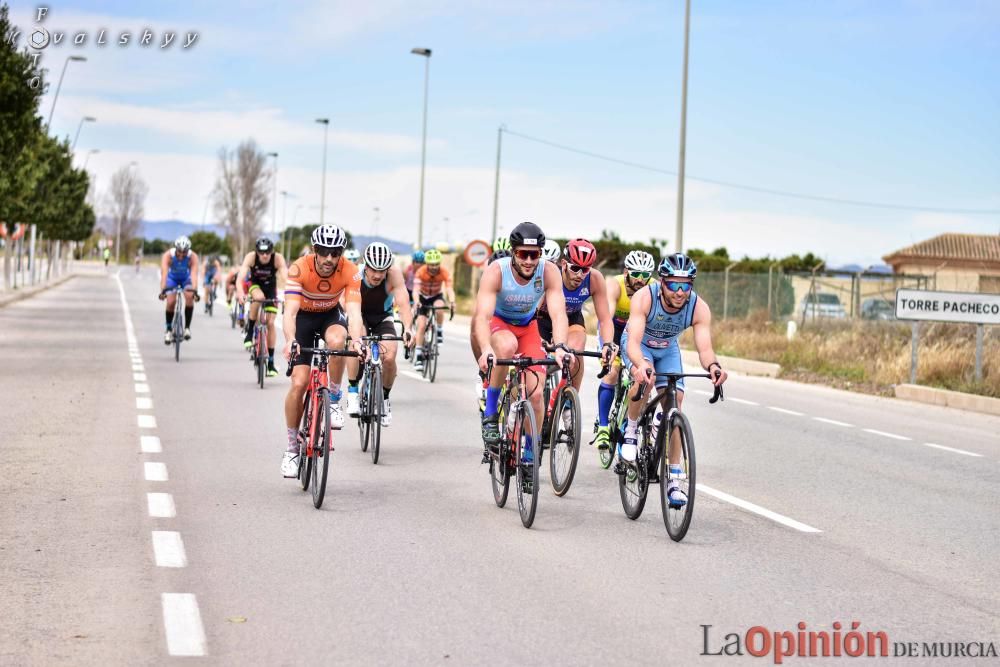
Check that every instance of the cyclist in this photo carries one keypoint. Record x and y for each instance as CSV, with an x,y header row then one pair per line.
x,y
501,249
433,284
107,256
639,268
231,284
352,255
504,322
212,269
411,272
321,286
552,252
381,286
266,271
179,268
579,284
658,315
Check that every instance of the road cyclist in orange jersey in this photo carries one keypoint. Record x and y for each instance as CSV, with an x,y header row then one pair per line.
x,y
432,285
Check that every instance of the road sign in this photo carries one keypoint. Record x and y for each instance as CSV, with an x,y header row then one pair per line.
x,y
967,307
477,252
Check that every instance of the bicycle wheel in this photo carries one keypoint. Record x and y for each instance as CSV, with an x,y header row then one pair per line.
x,y
431,362
261,354
322,446
363,409
375,401
525,433
677,520
499,470
564,444
178,327
633,483
615,425
305,429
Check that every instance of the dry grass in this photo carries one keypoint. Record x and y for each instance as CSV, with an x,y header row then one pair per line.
x,y
865,356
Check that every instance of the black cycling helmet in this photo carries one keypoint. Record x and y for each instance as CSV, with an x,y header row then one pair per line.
x,y
264,244
498,254
527,234
678,265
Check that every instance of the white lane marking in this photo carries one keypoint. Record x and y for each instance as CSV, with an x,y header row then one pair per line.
x,y
182,622
143,403
168,548
738,400
161,505
139,377
147,421
952,449
150,444
141,388
833,421
703,392
886,435
413,375
138,368
757,509
784,411
155,471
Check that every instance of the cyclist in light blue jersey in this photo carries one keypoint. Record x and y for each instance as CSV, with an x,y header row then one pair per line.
x,y
179,268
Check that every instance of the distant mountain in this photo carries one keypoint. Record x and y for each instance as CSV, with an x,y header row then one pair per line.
x,y
398,247
168,230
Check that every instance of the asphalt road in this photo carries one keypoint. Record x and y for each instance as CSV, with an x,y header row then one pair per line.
x,y
815,506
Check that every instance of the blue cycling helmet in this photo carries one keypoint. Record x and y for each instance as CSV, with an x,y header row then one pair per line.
x,y
418,257
677,265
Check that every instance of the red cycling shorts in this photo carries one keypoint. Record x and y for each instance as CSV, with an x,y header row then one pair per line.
x,y
529,342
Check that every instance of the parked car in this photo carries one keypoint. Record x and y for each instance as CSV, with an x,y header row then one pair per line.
x,y
877,308
822,304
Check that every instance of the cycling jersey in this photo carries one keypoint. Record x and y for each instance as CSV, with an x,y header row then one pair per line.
x,y
376,302
180,267
574,298
624,302
659,342
316,293
261,274
517,303
432,284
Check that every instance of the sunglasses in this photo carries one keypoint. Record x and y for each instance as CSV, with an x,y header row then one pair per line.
x,y
673,286
575,268
640,275
328,252
527,255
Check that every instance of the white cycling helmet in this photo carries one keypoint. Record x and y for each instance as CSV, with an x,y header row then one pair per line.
x,y
378,257
182,243
329,236
551,252
639,260
352,255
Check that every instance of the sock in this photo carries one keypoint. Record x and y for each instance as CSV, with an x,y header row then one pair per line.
x,y
631,426
676,470
527,443
352,388
170,319
492,398
385,391
188,314
335,394
605,396
293,444
253,323
270,355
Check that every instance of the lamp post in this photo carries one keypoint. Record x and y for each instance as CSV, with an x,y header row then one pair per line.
x,y
56,96
87,159
274,217
426,53
322,194
128,206
85,119
496,183
284,215
684,101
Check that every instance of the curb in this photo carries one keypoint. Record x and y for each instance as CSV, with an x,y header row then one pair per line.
x,y
948,398
22,294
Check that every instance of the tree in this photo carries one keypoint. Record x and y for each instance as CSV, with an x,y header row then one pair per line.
x,y
241,193
209,243
126,200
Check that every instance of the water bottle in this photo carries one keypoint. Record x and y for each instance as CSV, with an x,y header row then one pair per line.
x,y
655,427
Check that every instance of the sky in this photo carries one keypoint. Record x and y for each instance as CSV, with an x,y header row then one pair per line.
x,y
894,102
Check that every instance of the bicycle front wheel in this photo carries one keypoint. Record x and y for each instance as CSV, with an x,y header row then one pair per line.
x,y
322,446
375,413
431,363
261,355
499,468
633,482
564,443
304,436
677,518
527,447
363,409
178,328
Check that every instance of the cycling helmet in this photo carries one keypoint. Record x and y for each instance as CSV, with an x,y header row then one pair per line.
x,y
352,255
639,260
501,243
328,236
418,257
527,233
678,265
580,252
432,256
182,243
264,244
378,257
551,251
499,254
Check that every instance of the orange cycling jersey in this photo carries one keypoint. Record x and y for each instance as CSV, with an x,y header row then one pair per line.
x,y
431,285
317,294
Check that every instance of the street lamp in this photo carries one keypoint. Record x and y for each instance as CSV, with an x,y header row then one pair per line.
x,y
56,97
284,218
274,217
426,53
322,196
87,159
684,102
85,119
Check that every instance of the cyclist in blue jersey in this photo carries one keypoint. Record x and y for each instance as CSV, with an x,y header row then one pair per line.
x,y
213,276
179,268
658,315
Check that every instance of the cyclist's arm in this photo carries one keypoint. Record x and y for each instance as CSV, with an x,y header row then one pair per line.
x,y
598,289
195,269
242,275
351,299
400,296
288,319
164,268
449,288
555,303
637,326
486,303
702,325
417,286
281,268
614,293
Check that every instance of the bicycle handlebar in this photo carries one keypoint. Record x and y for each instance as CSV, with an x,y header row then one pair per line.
x,y
381,337
716,396
605,368
322,351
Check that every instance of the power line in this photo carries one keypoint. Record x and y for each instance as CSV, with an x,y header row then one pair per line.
x,y
751,188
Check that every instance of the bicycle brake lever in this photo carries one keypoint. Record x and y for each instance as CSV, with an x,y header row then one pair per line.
x,y
717,396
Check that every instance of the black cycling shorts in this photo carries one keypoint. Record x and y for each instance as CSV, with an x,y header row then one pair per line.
x,y
426,302
384,325
308,325
545,323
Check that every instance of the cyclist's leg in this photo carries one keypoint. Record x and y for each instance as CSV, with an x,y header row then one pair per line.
x,y
576,339
354,372
529,343
170,302
335,335
439,315
254,295
189,293
305,328
389,350
270,315
606,390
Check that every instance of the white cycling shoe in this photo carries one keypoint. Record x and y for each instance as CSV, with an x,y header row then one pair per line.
x,y
353,407
290,464
336,416
386,414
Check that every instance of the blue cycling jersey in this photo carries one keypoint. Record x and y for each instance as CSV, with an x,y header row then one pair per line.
x,y
517,303
662,328
180,268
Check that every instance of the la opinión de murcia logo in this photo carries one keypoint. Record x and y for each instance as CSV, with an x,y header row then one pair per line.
x,y
41,37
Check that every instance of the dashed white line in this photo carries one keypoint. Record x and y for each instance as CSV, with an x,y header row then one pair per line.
x,y
757,509
143,403
155,471
150,444
139,377
739,400
952,449
168,548
833,421
784,411
141,388
886,435
182,622
147,421
415,376
161,505
138,368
